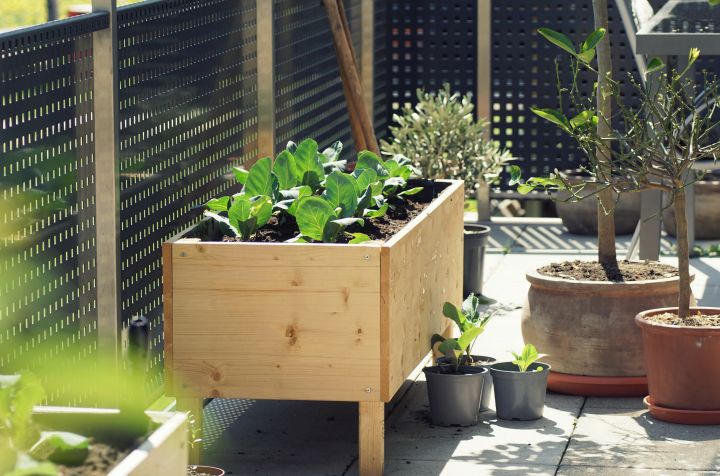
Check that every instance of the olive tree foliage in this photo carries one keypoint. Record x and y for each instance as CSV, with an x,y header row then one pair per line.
x,y
444,141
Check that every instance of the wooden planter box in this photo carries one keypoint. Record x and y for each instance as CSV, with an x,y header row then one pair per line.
x,y
165,451
312,321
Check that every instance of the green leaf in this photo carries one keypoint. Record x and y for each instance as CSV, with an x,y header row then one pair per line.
x,y
28,393
368,160
451,349
592,40
468,337
309,169
515,175
61,447
262,209
227,227
259,182
582,119
364,201
332,153
241,175
379,213
340,192
312,214
452,313
528,355
714,2
655,64
557,39
218,204
358,238
365,177
285,170
586,56
554,116
33,468
302,191
524,189
410,191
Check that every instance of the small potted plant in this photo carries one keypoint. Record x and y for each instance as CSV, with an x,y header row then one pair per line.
x,y
455,390
471,315
195,433
520,386
444,141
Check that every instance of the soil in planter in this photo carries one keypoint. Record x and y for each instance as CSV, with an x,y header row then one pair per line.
x,y
101,458
626,271
693,320
399,215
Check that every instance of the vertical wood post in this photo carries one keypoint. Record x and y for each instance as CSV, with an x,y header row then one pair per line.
x,y
107,180
265,78
367,53
372,438
483,94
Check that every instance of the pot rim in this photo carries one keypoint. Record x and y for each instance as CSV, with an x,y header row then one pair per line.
x,y
553,282
433,370
475,229
547,368
668,329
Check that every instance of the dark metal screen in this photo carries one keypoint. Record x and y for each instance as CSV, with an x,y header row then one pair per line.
x,y
47,217
380,70
431,42
309,94
188,114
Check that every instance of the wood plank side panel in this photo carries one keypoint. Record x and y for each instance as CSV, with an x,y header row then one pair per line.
x,y
424,269
276,321
167,316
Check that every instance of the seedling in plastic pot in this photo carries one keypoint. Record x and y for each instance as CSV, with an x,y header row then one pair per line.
x,y
526,358
454,348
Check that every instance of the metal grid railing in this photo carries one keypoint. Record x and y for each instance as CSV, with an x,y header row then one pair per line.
x,y
47,219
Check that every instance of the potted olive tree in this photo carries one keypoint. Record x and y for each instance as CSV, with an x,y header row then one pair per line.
x,y
599,298
442,138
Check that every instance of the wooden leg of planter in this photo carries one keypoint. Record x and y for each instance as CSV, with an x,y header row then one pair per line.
x,y
195,407
372,438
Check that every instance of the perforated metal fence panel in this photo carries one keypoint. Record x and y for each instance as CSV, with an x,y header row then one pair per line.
x,y
309,95
523,75
188,114
47,218
380,69
430,42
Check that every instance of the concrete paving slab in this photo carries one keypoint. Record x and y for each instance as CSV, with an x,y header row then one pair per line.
x,y
630,438
566,470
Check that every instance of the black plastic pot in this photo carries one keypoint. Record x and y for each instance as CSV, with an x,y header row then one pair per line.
x,y
487,390
454,397
519,395
476,237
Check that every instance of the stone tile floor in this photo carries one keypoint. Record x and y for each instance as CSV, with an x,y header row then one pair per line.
x,y
577,436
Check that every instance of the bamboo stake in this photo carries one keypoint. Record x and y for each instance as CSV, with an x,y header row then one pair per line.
x,y
360,122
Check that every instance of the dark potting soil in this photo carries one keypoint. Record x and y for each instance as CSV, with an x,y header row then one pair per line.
x,y
101,458
693,320
399,214
625,271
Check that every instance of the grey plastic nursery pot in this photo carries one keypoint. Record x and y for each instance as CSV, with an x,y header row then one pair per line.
x,y
476,237
487,390
454,396
519,395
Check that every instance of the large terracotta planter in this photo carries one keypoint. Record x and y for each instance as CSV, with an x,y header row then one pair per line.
x,y
707,204
587,329
580,218
683,369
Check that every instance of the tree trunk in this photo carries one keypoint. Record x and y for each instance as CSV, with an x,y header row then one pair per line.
x,y
683,253
606,221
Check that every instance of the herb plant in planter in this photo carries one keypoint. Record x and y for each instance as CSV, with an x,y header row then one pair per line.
x,y
599,299
520,386
444,141
346,265
471,315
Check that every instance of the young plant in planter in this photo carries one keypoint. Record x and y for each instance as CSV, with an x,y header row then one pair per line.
x,y
473,314
520,386
444,141
611,364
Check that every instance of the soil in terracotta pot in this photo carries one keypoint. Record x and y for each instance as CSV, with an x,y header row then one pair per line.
x,y
625,271
399,215
100,460
694,320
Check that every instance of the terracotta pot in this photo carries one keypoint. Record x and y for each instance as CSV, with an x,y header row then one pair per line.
x,y
580,218
587,327
707,203
682,363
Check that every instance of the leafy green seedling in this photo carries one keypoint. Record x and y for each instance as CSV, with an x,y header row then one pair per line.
x,y
245,215
469,316
526,358
319,220
454,348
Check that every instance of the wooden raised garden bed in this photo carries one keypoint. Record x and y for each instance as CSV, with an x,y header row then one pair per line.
x,y
293,321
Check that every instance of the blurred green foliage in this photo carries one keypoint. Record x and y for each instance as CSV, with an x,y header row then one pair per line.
x,y
16,13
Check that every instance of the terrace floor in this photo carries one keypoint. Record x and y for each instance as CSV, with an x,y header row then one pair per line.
x,y
577,435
